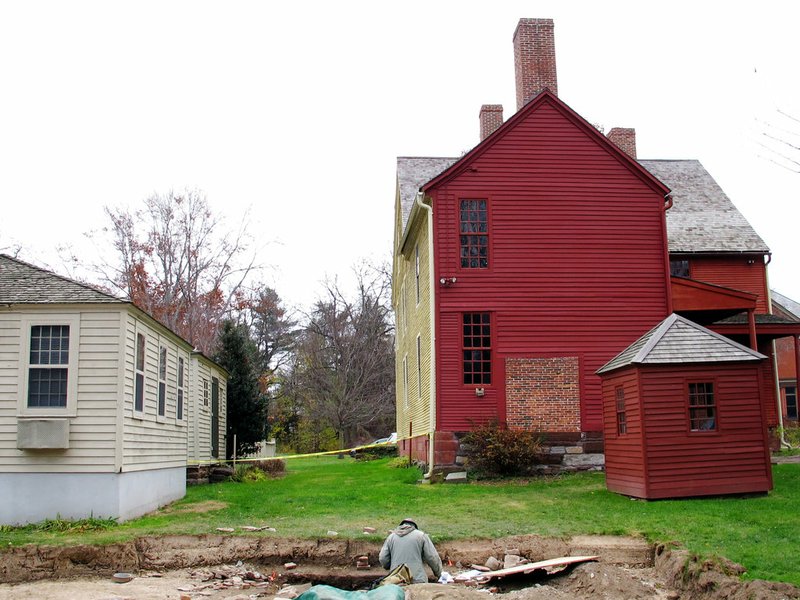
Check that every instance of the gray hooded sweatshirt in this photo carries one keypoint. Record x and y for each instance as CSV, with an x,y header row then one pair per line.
x,y
412,547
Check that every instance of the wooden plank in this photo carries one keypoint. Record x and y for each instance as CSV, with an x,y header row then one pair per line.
x,y
542,564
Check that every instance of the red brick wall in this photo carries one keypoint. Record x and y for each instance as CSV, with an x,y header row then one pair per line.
x,y
534,58
543,394
491,117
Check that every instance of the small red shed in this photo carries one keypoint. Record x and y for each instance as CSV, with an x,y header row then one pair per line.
x,y
682,415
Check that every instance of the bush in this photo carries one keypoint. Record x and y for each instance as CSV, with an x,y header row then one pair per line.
x,y
400,462
375,452
259,470
493,450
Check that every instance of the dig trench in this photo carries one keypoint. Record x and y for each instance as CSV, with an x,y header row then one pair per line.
x,y
627,568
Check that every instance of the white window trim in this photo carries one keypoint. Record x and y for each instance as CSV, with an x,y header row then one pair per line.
x,y
417,272
163,350
139,414
405,382
28,321
180,386
419,366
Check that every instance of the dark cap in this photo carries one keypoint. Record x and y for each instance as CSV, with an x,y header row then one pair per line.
x,y
410,522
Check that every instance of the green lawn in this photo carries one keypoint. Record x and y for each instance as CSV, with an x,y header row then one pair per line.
x,y
322,494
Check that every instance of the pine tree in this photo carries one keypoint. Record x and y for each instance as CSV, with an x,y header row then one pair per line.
x,y
247,405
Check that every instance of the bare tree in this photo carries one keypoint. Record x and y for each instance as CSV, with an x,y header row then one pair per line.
x,y
272,327
782,141
346,358
173,259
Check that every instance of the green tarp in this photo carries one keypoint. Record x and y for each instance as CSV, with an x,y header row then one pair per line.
x,y
326,592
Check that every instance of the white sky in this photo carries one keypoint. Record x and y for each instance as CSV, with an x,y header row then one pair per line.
x,y
299,109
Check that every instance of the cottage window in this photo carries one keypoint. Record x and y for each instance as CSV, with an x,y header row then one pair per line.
x,y
138,392
416,269
48,366
679,268
791,402
162,381
179,407
477,348
702,408
622,424
205,392
419,367
474,234
405,382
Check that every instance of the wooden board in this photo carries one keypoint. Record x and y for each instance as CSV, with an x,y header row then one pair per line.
x,y
542,564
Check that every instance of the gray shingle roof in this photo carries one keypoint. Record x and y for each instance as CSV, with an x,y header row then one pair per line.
x,y
787,303
412,173
677,340
22,283
702,218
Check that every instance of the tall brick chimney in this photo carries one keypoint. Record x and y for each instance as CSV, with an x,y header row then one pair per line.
x,y
625,139
534,58
491,117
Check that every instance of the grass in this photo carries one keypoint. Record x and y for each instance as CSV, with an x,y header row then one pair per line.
x,y
318,495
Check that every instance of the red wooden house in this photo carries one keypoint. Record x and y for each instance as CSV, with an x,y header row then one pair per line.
x,y
525,265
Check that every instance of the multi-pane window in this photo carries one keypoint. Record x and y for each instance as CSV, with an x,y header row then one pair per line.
x,y
477,348
48,366
474,234
622,422
179,408
791,402
679,268
405,382
138,392
205,392
419,367
416,269
702,408
162,381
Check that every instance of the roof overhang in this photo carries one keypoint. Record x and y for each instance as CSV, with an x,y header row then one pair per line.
x,y
689,295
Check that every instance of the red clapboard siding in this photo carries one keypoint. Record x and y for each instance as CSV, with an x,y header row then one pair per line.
x,y
577,259
734,272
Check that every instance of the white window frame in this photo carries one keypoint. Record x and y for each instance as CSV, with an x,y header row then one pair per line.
x,y
161,390
419,366
405,382
136,372
416,270
72,320
180,391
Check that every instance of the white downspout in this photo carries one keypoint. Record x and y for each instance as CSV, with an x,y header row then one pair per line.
x,y
432,321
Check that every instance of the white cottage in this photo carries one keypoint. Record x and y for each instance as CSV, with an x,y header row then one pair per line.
x,y
101,406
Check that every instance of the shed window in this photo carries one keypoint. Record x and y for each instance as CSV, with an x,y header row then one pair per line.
x,y
205,392
474,234
138,392
179,408
477,348
702,408
48,366
416,269
622,424
791,402
162,382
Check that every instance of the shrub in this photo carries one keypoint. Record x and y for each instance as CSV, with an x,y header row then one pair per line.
x,y
375,452
259,470
493,450
400,462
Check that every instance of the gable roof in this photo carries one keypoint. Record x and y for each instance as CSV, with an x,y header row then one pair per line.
x,y
786,303
702,217
412,173
677,340
23,283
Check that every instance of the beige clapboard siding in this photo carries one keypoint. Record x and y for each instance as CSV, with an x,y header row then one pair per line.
x,y
92,432
151,441
201,414
413,321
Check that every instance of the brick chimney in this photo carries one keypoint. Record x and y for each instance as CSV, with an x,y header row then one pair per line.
x,y
491,117
625,139
534,58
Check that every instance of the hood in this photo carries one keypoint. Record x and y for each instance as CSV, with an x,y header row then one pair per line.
x,y
404,529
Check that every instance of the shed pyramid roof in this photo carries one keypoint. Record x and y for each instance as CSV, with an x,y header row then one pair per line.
x,y
677,340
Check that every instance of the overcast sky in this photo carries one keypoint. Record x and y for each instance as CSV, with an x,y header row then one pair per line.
x,y
298,110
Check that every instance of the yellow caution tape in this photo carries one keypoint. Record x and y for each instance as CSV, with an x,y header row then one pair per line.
x,y
289,456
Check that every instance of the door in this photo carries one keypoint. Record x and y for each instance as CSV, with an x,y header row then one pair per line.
x,y
215,417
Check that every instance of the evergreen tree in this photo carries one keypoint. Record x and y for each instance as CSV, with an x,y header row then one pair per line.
x,y
247,405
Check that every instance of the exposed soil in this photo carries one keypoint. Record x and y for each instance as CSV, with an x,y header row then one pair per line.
x,y
188,566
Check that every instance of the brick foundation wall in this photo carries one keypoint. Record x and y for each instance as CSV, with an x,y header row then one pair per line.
x,y
543,394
